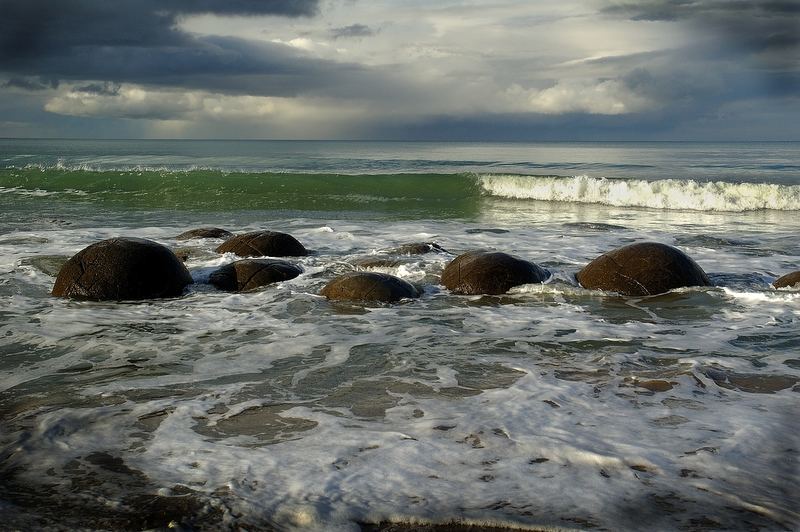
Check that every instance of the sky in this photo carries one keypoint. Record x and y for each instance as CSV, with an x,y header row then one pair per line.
x,y
519,70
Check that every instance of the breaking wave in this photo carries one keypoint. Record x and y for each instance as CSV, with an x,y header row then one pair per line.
x,y
675,194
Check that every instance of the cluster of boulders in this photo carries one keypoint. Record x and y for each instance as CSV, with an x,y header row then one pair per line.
x,y
134,269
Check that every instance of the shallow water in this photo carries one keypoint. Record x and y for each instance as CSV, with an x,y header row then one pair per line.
x,y
549,406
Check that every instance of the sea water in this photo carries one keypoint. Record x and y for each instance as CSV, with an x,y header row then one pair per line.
x,y
549,407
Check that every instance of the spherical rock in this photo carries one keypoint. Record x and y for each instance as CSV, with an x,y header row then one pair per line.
x,y
790,279
263,244
204,232
122,269
369,286
482,272
249,274
642,269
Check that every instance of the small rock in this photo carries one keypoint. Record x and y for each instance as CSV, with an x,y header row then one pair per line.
x,y
204,232
790,279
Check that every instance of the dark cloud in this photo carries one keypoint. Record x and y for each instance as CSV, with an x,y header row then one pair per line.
x,y
104,89
139,41
30,84
354,30
769,30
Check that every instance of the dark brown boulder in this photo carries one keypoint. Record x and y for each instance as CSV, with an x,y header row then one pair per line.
x,y
376,261
122,269
642,269
263,244
369,286
249,274
204,232
790,279
418,248
483,272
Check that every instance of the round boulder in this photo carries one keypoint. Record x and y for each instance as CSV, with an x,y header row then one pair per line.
x,y
204,232
249,274
263,244
483,272
122,269
369,286
642,269
790,279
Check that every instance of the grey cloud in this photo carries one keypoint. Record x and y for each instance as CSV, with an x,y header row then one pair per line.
x,y
105,89
30,84
136,40
354,30
771,28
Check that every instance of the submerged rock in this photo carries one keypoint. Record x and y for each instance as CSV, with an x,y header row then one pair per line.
x,y
790,279
369,286
482,272
418,248
189,252
263,244
122,269
48,264
376,262
249,274
204,232
642,269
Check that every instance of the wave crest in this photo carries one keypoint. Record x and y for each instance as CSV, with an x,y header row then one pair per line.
x,y
674,194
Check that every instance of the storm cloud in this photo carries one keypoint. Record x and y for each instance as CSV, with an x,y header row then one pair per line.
x,y
140,41
385,69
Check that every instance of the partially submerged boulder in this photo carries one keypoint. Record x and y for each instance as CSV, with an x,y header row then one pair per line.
x,y
122,269
369,286
483,272
418,248
790,279
204,232
263,244
249,274
642,269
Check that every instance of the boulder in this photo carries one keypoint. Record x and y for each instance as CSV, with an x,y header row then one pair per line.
x,y
483,272
790,279
122,269
204,232
263,244
642,269
249,274
369,286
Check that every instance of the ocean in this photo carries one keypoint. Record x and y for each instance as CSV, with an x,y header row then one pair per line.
x,y
549,407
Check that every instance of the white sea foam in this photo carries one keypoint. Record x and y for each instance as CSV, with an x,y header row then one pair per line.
x,y
674,194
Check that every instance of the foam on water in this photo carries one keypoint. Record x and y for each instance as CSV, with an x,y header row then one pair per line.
x,y
550,406
657,194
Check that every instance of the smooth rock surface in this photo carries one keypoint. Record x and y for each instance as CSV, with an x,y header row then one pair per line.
x,y
122,269
369,286
204,232
642,269
790,279
249,274
491,273
263,244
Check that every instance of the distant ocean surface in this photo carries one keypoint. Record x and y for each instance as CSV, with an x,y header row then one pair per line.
x,y
550,407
